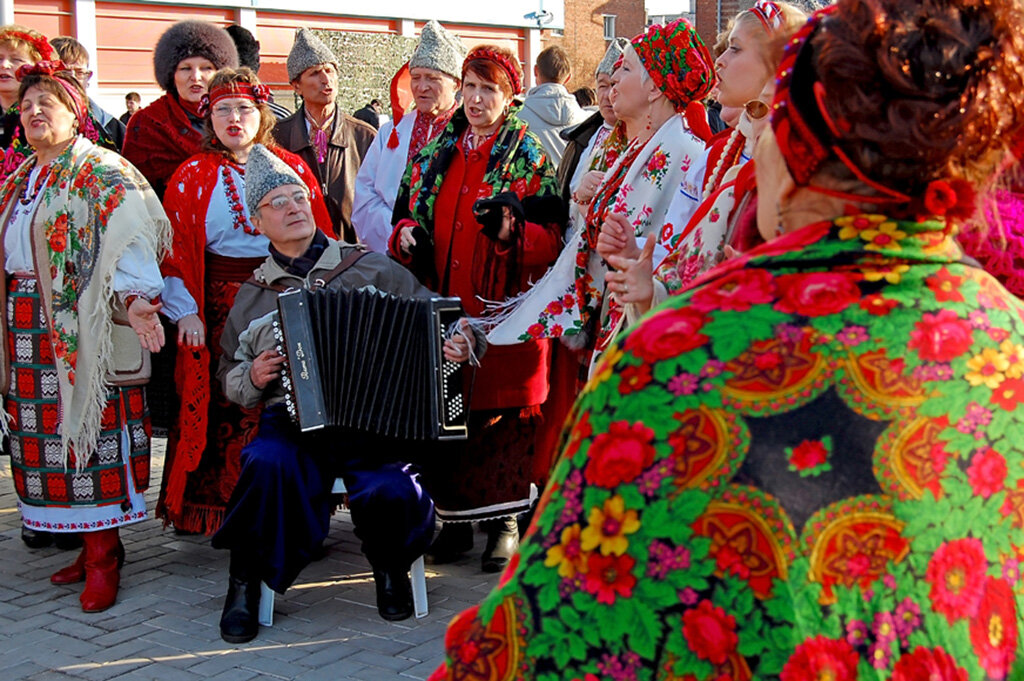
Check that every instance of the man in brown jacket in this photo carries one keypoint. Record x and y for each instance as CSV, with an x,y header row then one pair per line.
x,y
330,141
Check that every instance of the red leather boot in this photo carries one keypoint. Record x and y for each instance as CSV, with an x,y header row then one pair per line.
x,y
102,575
74,573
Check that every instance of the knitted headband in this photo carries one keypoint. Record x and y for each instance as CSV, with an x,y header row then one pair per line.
x,y
804,130
39,43
503,62
769,14
677,60
254,93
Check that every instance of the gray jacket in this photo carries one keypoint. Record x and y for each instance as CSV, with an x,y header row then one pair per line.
x,y
547,110
249,331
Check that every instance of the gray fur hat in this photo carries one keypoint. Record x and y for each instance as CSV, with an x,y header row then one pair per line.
x,y
611,55
439,49
191,39
307,51
264,172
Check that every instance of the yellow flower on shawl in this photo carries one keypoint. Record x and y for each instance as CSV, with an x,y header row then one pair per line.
x,y
892,274
568,555
886,235
605,367
987,368
1014,355
851,226
607,527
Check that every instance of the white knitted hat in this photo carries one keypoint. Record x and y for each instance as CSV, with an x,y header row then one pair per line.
x,y
438,49
264,171
611,55
308,51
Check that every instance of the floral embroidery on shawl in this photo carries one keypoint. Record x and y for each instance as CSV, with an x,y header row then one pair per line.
x,y
89,192
565,300
805,466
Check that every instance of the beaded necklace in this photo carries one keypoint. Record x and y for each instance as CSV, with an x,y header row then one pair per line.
x,y
235,198
41,174
729,157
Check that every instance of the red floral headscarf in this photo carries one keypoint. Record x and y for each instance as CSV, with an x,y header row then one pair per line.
x,y
677,60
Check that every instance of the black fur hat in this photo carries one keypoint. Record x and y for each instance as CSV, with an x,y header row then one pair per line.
x,y
191,39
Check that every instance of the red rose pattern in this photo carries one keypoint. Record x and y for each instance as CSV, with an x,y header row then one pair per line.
x,y
816,294
987,472
710,632
821,659
926,664
994,629
956,573
667,334
619,455
941,337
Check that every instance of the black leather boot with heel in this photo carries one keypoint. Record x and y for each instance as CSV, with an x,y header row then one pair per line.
x,y
238,622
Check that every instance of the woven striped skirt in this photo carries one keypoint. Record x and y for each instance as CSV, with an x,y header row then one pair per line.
x,y
54,496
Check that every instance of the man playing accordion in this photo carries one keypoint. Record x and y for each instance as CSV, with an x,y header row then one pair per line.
x,y
279,512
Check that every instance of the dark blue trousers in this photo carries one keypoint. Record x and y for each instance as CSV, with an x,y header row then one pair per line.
x,y
279,512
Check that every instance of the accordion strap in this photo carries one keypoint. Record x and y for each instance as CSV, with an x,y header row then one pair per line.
x,y
320,282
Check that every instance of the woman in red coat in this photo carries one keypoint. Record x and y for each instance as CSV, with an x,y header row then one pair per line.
x,y
215,249
480,203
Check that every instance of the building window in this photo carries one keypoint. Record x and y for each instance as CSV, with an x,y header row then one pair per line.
x,y
609,26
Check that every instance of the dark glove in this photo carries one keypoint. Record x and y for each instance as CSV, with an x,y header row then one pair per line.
x,y
489,213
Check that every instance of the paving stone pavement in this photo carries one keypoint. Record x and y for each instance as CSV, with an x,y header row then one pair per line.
x,y
164,624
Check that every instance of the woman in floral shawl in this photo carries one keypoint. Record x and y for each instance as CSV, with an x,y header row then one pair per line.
x,y
807,466
82,230
478,216
664,73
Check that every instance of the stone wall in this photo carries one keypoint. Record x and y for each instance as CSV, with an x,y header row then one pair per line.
x,y
366,64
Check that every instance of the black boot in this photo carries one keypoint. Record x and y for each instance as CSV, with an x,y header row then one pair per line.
x,y
502,543
36,539
238,622
67,541
451,542
394,594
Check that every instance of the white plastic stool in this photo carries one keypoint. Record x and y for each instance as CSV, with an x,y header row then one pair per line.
x,y
417,575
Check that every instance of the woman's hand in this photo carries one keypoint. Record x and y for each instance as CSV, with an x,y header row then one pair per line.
x,y
632,281
265,368
145,322
190,331
588,187
458,347
406,240
617,238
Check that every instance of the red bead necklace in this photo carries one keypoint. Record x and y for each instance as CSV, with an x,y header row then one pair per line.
x,y
235,198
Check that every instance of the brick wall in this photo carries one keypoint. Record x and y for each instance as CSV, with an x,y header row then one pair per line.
x,y
707,13
583,37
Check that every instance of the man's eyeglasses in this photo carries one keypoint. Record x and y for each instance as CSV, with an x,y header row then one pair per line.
x,y
300,199
225,111
82,74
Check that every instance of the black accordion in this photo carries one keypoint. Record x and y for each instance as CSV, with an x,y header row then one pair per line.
x,y
372,361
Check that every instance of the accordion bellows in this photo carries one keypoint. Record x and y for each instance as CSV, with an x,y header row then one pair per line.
x,y
372,361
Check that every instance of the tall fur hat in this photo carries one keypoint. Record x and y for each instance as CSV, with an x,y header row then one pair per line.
x,y
438,49
191,39
265,172
308,51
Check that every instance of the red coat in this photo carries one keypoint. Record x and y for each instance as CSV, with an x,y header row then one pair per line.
x,y
510,375
159,139
186,203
